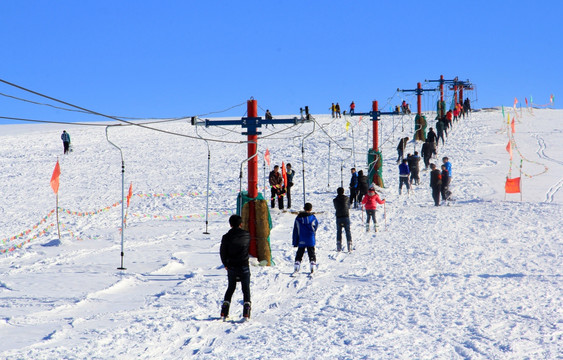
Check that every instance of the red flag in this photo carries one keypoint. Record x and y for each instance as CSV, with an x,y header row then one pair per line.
x,y
526,101
512,125
509,149
512,186
284,175
55,178
129,194
267,156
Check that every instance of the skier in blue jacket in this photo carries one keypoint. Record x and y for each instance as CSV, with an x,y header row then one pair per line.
x,y
304,230
404,173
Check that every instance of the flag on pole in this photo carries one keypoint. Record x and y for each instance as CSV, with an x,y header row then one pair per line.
x,y
267,156
284,176
512,125
551,98
509,148
347,125
515,102
129,194
512,186
55,178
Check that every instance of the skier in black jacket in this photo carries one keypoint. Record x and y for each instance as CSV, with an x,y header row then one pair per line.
x,y
435,183
234,256
362,185
342,207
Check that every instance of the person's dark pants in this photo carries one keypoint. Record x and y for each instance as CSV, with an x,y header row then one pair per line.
x,y
414,176
426,161
66,146
404,180
360,197
370,214
436,195
445,191
310,253
241,274
400,152
273,198
343,222
440,136
353,196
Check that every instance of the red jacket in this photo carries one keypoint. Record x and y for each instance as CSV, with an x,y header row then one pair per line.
x,y
370,201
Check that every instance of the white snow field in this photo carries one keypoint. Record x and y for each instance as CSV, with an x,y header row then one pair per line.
x,y
478,279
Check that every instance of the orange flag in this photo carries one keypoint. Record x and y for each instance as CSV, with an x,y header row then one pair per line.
x,y
55,178
129,194
267,156
284,175
512,186
512,125
509,149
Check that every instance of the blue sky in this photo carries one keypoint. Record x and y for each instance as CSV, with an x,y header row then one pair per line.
x,y
157,59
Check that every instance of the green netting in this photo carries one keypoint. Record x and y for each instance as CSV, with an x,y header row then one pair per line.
x,y
260,246
420,127
440,109
375,161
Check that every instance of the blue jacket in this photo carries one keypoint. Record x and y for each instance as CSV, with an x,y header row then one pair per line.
x,y
354,180
449,167
404,169
304,229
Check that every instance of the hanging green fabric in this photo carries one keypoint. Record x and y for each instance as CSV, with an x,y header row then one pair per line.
x,y
260,246
375,161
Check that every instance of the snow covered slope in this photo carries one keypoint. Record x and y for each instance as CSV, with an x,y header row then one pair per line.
x,y
479,279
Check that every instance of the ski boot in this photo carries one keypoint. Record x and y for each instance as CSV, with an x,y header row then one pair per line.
x,y
313,266
296,266
225,309
367,227
350,247
246,310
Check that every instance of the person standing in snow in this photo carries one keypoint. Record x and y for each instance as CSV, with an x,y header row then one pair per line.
x,y
413,162
352,108
65,137
276,181
333,110
290,173
268,116
354,187
404,173
234,256
448,164
370,204
304,229
342,207
401,148
435,183
444,188
362,186
426,153
337,109
431,138
440,129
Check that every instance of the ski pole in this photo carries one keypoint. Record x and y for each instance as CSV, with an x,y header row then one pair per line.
x,y
385,215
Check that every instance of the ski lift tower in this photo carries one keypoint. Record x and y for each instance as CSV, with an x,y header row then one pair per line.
x,y
419,120
252,123
375,158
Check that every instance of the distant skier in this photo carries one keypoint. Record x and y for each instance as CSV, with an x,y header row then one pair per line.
x,y
337,110
333,110
404,173
342,207
370,204
362,186
290,173
435,183
65,137
401,148
448,164
413,162
444,187
276,182
234,256
432,139
304,229
352,108
268,116
426,153
440,126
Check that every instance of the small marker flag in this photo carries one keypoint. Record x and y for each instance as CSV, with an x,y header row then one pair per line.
x,y
512,125
284,175
129,194
512,186
509,149
347,125
55,178
267,156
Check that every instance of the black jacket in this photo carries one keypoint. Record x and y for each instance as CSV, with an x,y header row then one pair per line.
x,y
363,184
435,178
413,161
234,248
431,137
342,206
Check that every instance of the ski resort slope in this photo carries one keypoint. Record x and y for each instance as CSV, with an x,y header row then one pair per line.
x,y
478,278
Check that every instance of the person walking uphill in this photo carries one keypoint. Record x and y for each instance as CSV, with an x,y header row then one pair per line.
x,y
370,204
401,148
234,256
65,137
304,229
342,207
435,183
404,173
276,181
362,186
354,187
290,173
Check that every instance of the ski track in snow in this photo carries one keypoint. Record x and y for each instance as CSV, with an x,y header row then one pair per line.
x,y
479,279
549,196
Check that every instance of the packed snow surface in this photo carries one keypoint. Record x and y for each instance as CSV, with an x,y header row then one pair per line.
x,y
477,278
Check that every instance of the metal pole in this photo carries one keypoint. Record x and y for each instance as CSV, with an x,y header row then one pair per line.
x,y
122,197
303,160
328,167
207,195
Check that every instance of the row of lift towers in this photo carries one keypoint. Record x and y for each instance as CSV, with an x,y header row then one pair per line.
x,y
253,122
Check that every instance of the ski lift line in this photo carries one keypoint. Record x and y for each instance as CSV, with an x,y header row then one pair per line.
x,y
52,122
326,133
115,118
